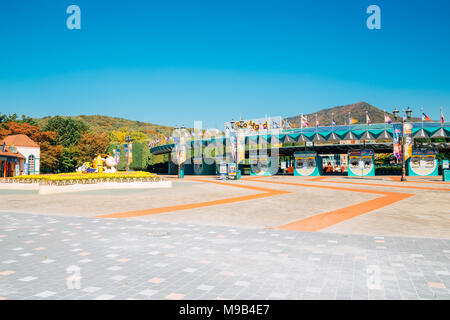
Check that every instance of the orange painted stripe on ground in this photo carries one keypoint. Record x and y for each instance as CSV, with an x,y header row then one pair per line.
x,y
266,193
415,181
323,187
328,219
319,178
230,184
388,185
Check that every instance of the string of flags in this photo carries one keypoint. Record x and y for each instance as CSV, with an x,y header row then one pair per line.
x,y
163,139
160,140
350,120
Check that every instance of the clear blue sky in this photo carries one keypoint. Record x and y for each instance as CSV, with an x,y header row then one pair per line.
x,y
172,62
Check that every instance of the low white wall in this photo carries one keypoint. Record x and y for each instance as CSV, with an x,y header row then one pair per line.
x,y
19,186
46,189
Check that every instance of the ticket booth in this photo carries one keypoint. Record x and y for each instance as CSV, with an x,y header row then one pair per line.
x,y
423,162
261,165
307,163
224,161
361,163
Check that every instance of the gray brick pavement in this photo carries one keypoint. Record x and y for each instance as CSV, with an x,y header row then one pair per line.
x,y
42,256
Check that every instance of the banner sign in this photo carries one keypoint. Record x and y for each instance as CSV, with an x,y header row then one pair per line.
x,y
424,152
130,158
232,169
303,154
233,144
125,148
116,155
397,141
361,153
223,167
270,123
445,164
240,148
181,153
365,153
407,133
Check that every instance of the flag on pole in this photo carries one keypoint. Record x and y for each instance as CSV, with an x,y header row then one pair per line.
x,y
442,118
304,121
387,119
333,122
367,119
351,120
425,117
317,121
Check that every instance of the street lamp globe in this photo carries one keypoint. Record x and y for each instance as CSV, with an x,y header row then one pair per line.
x,y
408,113
395,112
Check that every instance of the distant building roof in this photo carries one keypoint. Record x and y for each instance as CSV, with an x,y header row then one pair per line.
x,y
19,140
8,153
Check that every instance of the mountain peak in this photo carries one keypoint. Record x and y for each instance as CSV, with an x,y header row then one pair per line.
x,y
341,113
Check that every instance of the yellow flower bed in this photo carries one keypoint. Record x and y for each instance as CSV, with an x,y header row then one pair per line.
x,y
74,178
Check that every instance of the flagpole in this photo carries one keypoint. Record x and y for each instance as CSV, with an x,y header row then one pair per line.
x,y
384,113
301,123
442,118
367,120
316,124
421,115
332,121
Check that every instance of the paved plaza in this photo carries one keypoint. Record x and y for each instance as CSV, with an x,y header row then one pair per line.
x,y
266,238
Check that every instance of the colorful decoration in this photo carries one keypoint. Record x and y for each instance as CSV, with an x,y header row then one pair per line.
x,y
361,163
423,163
98,164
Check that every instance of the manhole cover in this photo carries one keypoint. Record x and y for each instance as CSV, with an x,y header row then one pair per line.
x,y
155,234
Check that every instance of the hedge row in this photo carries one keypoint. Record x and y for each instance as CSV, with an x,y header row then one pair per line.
x,y
140,154
84,178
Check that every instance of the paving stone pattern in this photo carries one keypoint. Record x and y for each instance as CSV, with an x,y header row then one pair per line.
x,y
54,257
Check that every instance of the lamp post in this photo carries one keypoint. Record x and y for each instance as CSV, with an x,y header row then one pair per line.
x,y
128,139
176,132
181,164
408,117
235,151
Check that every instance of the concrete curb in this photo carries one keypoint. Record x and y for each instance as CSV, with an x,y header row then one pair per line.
x,y
46,189
19,186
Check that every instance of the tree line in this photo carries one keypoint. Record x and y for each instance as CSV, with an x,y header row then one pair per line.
x,y
67,143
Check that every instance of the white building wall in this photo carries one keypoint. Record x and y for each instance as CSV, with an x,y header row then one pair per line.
x,y
26,152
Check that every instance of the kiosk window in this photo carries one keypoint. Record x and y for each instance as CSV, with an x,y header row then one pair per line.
x,y
415,162
429,163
